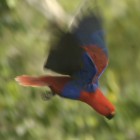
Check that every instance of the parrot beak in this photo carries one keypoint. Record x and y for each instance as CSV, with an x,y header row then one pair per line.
x,y
110,116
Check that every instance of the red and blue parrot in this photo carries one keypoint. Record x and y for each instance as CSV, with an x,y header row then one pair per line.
x,y
81,56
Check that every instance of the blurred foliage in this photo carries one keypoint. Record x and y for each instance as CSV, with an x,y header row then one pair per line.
x,y
23,42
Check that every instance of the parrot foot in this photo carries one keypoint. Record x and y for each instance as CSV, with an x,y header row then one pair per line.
x,y
47,96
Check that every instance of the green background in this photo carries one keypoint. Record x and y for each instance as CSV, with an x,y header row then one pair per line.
x,y
24,39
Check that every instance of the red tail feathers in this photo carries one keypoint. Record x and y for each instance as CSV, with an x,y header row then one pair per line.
x,y
56,83
25,80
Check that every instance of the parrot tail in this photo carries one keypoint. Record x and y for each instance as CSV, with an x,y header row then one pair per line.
x,y
56,83
26,80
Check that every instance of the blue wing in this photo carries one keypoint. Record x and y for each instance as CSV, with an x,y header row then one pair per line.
x,y
90,32
65,55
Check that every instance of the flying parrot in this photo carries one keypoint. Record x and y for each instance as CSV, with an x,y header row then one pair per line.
x,y
81,56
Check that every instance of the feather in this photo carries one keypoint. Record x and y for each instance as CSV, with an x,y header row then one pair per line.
x,y
65,55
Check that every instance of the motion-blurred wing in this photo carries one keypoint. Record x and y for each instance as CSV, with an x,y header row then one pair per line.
x,y
89,32
66,56
91,37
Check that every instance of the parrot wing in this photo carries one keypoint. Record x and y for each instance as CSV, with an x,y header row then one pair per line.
x,y
91,36
66,56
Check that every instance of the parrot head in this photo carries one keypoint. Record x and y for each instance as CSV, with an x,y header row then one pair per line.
x,y
99,103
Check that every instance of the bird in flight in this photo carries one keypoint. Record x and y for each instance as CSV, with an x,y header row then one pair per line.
x,y
81,56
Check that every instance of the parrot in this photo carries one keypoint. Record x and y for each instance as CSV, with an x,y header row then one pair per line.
x,y
81,56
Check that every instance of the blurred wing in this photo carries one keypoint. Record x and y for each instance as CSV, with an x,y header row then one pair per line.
x,y
66,56
91,37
